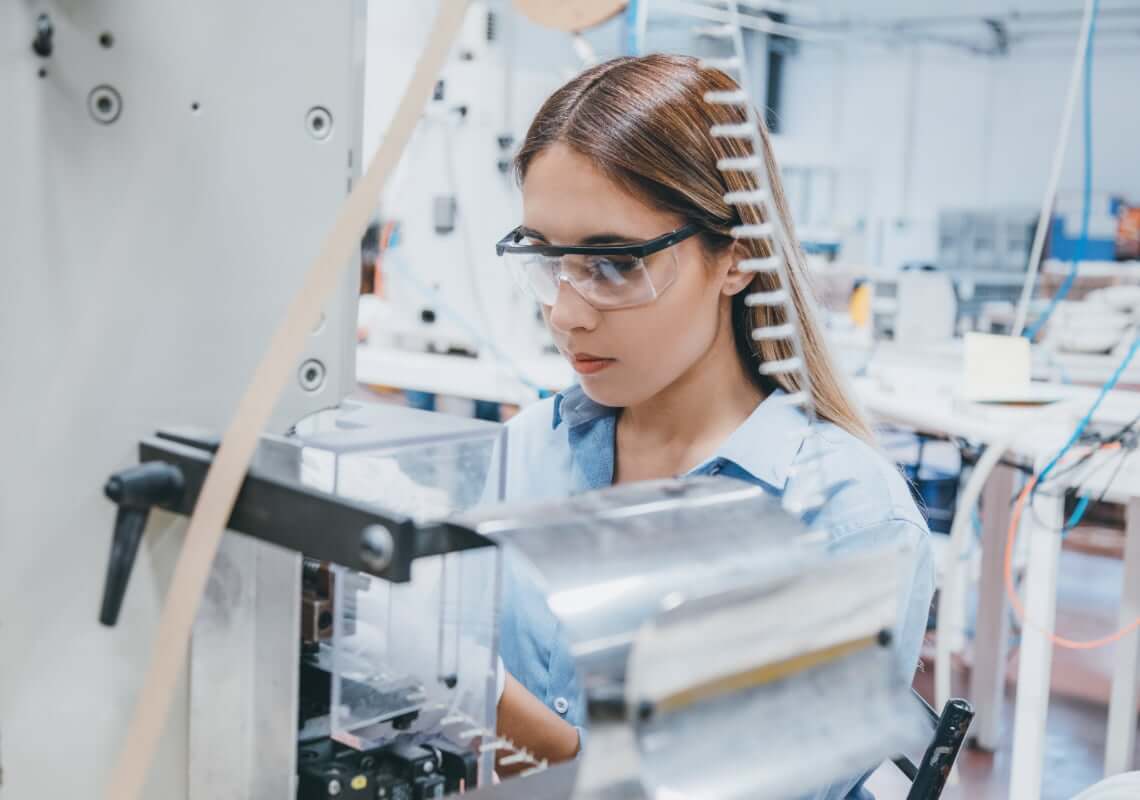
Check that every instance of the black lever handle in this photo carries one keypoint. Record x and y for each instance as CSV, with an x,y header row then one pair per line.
x,y
135,490
42,44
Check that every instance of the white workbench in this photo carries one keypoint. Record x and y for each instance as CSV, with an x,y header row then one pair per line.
x,y
460,376
921,393
1077,368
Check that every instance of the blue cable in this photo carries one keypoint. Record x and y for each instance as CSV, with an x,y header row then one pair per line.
x,y
633,44
1083,502
1086,191
1078,513
1087,418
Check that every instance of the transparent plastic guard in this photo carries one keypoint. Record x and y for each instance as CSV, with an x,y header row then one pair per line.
x,y
417,659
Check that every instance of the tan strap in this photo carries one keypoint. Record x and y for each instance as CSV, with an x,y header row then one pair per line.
x,y
571,16
216,501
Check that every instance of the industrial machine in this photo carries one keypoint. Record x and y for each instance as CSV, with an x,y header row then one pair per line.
x,y
393,667
169,172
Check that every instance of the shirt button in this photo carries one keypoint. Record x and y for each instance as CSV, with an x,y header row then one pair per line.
x,y
561,705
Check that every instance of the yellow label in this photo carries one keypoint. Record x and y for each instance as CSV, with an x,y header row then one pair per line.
x,y
360,782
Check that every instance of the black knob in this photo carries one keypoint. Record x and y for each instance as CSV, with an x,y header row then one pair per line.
x,y
42,44
151,484
135,490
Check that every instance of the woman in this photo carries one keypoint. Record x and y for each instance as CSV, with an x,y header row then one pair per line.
x,y
660,334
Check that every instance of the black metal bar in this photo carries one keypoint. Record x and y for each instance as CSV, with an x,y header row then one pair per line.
x,y
311,522
940,755
906,767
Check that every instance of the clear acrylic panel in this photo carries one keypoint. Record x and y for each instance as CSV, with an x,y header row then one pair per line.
x,y
416,659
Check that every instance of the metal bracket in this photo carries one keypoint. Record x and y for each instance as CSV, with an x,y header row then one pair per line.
x,y
280,510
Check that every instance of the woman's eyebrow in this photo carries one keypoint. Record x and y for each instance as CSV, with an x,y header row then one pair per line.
x,y
593,239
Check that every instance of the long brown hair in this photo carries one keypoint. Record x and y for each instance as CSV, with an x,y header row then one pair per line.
x,y
644,122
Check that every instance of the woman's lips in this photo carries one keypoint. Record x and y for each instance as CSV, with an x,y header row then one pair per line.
x,y
585,364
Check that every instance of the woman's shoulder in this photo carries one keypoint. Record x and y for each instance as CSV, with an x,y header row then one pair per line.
x,y
534,417
862,484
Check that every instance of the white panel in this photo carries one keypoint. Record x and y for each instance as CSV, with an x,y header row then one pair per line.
x,y
143,266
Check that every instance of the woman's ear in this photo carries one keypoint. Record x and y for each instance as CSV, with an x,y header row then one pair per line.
x,y
735,281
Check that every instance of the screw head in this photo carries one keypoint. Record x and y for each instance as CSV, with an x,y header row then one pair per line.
x,y
104,104
377,547
319,123
311,375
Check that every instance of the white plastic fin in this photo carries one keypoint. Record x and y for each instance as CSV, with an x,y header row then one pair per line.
x,y
742,130
773,332
732,97
740,164
769,264
781,366
777,298
761,231
723,64
747,197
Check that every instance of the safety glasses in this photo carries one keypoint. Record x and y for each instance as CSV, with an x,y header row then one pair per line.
x,y
606,276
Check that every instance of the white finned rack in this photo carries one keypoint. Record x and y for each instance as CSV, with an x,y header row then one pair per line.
x,y
772,230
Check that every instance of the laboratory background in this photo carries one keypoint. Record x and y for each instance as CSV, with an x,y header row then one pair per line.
x,y
266,377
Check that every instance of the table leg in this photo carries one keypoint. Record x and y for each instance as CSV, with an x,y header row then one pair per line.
x,y
1036,657
991,641
1122,704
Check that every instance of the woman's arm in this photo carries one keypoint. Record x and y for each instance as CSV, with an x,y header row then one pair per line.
x,y
528,723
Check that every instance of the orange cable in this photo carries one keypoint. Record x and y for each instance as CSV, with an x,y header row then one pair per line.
x,y
1015,601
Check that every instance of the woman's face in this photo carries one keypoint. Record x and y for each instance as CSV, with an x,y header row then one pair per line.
x,y
624,356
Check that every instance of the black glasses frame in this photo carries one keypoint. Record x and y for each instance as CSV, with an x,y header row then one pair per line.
x,y
509,244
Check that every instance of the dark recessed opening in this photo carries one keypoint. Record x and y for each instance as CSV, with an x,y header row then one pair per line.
x,y
106,39
104,105
194,106
43,72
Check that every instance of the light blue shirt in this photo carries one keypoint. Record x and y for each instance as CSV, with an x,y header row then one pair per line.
x,y
565,445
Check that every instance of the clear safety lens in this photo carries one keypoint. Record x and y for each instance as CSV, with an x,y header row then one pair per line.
x,y
605,282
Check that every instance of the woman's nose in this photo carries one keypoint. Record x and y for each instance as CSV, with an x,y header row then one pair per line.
x,y
571,311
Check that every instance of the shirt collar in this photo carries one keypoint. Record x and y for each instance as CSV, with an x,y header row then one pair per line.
x,y
767,442
764,446
574,408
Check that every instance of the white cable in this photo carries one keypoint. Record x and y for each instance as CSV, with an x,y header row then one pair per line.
x,y
961,530
1055,172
